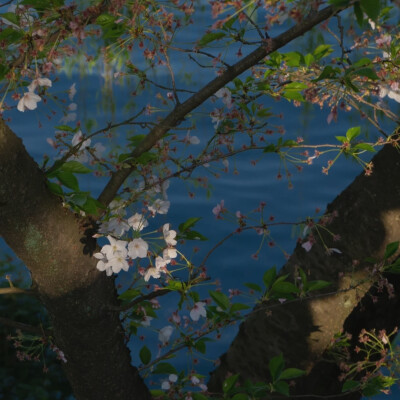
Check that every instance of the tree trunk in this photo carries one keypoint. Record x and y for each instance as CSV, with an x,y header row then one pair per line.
x,y
368,219
46,237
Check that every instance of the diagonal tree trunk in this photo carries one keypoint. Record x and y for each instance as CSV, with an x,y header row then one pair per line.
x,y
46,237
368,219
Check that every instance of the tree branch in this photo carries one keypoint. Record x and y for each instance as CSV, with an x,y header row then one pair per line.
x,y
179,113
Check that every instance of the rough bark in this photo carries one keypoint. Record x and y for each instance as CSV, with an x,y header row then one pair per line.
x,y
368,219
46,237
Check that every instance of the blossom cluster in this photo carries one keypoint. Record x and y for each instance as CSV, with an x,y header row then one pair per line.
x,y
30,99
119,254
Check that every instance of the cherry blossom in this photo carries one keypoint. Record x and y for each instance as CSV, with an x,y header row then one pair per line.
x,y
160,262
152,272
169,253
102,264
39,82
225,95
118,262
137,248
198,311
307,246
165,333
72,92
146,321
169,235
137,222
28,101
115,248
160,207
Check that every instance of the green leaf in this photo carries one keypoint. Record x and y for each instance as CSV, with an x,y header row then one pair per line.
x,y
292,373
157,393
364,146
322,50
65,128
75,167
129,294
165,368
293,58
339,3
253,286
308,59
145,158
68,179
220,298
240,396
317,285
229,383
362,62
341,139
194,235
199,396
276,366
359,14
296,86
367,72
10,16
135,140
271,148
189,223
350,385
352,133
284,287
391,248
78,199
54,188
328,73
211,37
91,206
200,346
282,387
145,355
269,277
293,95
238,307
105,19
372,8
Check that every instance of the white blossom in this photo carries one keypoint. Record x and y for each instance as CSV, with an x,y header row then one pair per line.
x,y
137,248
28,101
169,253
160,207
137,222
226,96
39,82
165,333
115,248
152,272
198,311
72,92
169,235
